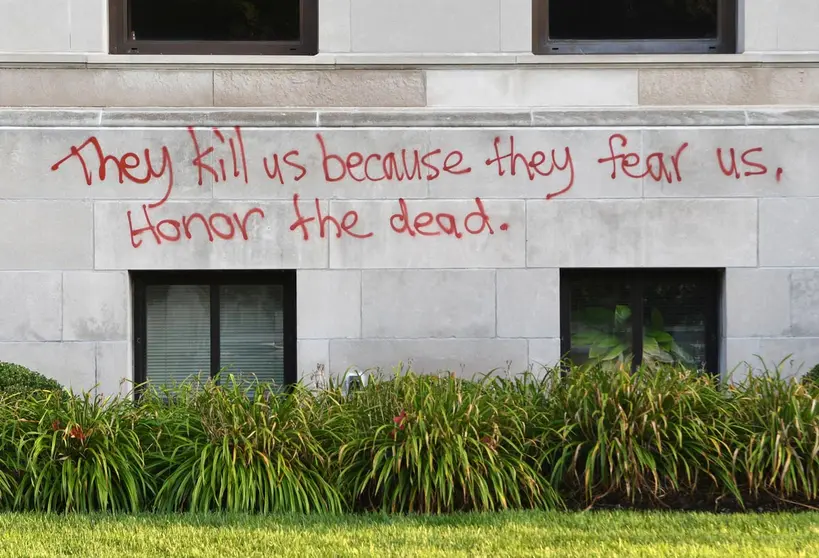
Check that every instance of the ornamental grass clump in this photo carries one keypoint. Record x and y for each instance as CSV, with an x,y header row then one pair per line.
x,y
580,437
434,444
237,447
649,438
76,453
777,447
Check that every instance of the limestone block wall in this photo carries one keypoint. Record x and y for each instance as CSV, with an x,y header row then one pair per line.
x,y
90,195
515,88
393,26
54,26
772,26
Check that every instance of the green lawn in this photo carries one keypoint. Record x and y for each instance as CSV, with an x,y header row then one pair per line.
x,y
497,535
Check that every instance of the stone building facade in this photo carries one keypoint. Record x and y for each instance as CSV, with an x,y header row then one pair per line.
x,y
451,182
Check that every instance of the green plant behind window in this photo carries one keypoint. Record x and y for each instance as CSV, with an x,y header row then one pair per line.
x,y
608,336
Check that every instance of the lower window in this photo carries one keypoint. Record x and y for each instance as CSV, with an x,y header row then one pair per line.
x,y
189,324
641,317
635,26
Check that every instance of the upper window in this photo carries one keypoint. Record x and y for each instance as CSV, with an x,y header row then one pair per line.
x,y
635,26
641,317
198,324
214,26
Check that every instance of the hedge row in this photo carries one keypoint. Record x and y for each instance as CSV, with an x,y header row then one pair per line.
x,y
417,443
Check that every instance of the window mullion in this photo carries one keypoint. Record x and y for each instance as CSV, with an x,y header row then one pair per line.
x,y
140,335
636,323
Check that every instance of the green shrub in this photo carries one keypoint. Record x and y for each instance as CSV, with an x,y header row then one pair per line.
x,y
240,448
645,437
778,437
434,444
592,437
812,376
17,379
77,453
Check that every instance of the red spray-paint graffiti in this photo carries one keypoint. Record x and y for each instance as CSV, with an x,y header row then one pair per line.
x,y
325,222
220,156
124,165
427,223
400,166
215,225
746,166
538,164
657,166
217,169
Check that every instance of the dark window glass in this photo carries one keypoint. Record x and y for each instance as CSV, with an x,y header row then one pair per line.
x,y
632,19
641,317
215,20
675,316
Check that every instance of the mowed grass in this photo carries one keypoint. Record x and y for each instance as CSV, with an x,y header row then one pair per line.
x,y
492,535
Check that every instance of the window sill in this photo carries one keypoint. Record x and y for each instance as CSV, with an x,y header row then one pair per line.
x,y
350,60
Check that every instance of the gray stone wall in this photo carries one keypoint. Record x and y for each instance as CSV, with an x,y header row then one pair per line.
x,y
394,26
415,82
370,295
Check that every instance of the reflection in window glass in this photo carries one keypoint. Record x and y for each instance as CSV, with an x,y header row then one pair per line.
x,y
601,322
674,323
675,313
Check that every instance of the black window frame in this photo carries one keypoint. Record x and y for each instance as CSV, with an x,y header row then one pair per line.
x,y
140,280
121,43
724,43
636,278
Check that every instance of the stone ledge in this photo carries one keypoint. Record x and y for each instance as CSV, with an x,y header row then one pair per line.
x,y
413,118
323,60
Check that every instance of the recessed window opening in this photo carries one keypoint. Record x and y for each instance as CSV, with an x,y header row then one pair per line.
x,y
635,26
214,26
195,324
631,318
